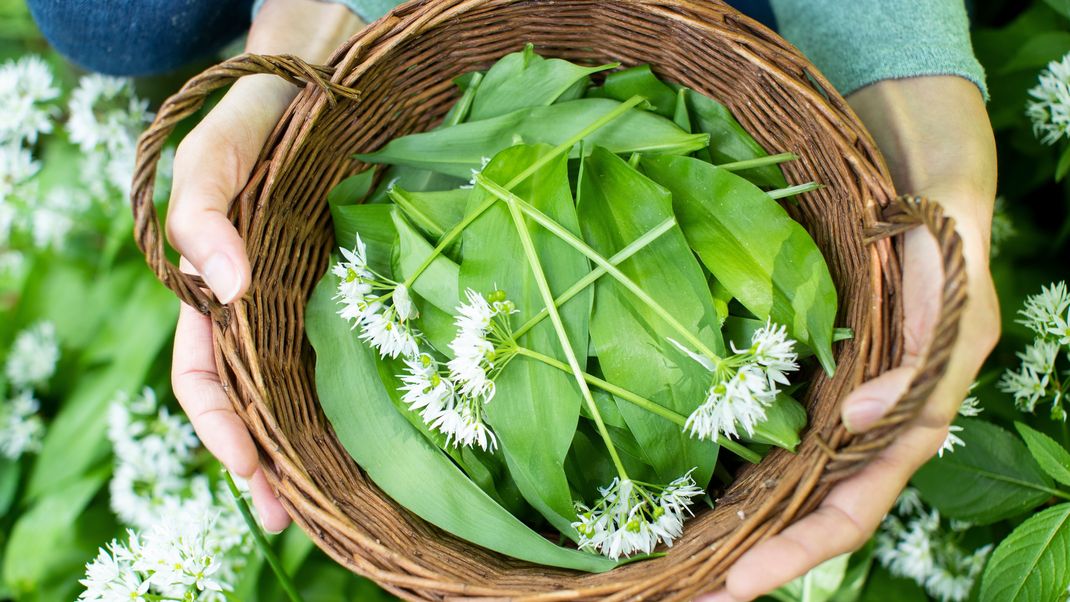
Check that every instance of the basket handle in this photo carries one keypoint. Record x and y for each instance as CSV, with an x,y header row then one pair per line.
x,y
187,101
903,214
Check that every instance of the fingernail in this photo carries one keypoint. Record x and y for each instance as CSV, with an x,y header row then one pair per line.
x,y
862,414
272,531
222,277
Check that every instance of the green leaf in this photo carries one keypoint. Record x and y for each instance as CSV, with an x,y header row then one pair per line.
x,y
10,470
434,212
460,149
77,438
529,392
436,288
819,584
401,461
351,190
35,539
1052,457
1064,165
617,205
680,115
729,142
784,420
1033,563
640,81
524,79
992,478
1060,6
374,223
753,247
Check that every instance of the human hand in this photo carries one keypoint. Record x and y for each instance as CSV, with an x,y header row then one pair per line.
x,y
212,165
935,135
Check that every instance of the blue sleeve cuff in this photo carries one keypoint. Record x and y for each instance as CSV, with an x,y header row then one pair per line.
x,y
861,42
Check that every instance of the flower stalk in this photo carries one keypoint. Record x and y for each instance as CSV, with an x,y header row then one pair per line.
x,y
262,543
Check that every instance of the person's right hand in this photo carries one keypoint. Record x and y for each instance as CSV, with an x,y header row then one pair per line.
x,y
212,165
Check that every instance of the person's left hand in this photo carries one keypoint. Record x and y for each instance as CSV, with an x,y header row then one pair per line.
x,y
935,134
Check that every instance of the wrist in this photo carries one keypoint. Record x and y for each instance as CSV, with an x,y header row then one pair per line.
x,y
309,29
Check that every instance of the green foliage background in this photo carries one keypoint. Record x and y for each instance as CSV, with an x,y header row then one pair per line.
x,y
114,323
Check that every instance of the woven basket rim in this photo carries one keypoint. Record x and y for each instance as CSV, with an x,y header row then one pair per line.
x,y
824,458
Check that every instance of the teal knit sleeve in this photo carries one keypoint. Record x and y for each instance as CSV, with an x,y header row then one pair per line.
x,y
859,42
855,42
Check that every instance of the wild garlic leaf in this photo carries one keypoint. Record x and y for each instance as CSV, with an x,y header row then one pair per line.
x,y
617,205
640,80
436,288
991,478
753,247
1033,563
535,408
376,227
525,79
351,190
1052,457
400,460
434,212
729,142
460,149
784,420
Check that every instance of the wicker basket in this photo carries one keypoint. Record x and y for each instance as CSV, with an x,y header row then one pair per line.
x,y
393,78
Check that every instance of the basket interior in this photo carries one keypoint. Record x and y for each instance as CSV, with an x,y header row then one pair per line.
x,y
404,66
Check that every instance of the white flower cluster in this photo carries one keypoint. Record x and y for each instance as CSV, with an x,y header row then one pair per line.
x,y
1047,314
970,407
106,117
1049,104
1002,227
178,559
153,484
912,543
27,91
21,428
452,401
381,307
632,517
744,384
30,364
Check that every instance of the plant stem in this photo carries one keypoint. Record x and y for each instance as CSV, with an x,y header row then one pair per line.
x,y
639,401
578,244
759,162
634,247
567,145
448,239
564,147
262,542
562,336
794,190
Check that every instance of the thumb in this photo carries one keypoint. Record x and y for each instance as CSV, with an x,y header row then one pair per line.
x,y
212,164
868,403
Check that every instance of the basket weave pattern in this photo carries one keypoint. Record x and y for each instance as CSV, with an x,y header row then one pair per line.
x,y
394,78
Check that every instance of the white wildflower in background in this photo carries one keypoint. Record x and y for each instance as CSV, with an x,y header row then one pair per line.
x,y
913,544
380,307
17,168
21,428
105,112
31,361
744,384
970,407
177,559
106,118
631,517
1047,315
1049,104
27,90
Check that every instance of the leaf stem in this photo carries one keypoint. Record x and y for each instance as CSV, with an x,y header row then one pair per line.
x,y
634,247
759,162
578,244
639,401
794,190
262,542
448,239
559,326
